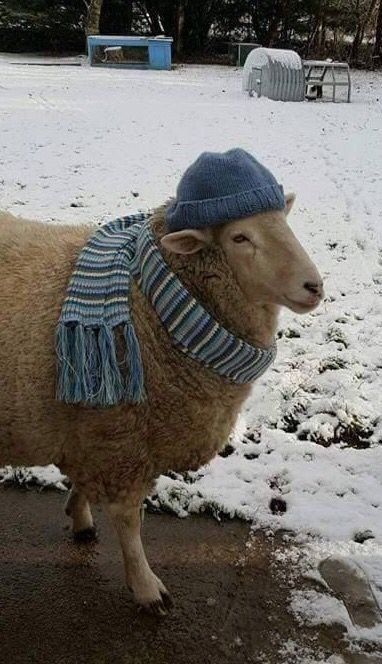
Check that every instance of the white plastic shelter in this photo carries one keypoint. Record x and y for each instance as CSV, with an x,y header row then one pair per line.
x,y
274,73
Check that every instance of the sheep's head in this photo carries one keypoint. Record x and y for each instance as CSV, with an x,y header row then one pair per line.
x,y
268,262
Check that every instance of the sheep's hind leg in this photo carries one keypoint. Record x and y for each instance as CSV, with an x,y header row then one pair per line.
x,y
78,508
148,590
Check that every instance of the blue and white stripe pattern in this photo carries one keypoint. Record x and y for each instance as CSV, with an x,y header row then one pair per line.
x,y
98,301
192,329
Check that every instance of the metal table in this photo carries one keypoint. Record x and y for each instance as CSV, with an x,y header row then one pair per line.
x,y
323,73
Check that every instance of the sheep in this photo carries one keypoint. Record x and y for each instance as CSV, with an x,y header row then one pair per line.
x,y
242,272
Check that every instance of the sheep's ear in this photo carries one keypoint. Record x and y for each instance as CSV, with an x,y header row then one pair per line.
x,y
186,241
289,201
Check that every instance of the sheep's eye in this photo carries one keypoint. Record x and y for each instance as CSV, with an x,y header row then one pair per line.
x,y
239,239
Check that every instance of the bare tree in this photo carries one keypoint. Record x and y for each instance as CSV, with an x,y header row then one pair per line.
x,y
378,33
317,29
364,13
93,15
180,26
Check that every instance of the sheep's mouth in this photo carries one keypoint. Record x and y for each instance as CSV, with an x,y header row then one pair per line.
x,y
303,306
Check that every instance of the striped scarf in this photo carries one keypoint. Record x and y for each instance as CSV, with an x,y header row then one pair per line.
x,y
97,302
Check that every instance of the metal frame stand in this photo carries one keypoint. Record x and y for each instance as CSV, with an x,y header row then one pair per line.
x,y
330,69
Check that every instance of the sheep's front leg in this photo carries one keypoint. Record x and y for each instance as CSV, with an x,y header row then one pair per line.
x,y
78,508
148,590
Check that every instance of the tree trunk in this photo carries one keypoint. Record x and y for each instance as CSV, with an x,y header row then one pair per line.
x,y
93,17
126,28
378,33
357,39
360,31
179,38
323,37
355,47
311,37
256,28
335,42
274,27
320,20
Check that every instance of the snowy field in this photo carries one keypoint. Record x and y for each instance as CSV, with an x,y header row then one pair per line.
x,y
88,145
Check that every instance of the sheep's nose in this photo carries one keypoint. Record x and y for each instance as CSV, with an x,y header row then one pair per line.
x,y
314,287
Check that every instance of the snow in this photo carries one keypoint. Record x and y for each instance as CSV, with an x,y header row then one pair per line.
x,y
80,144
47,477
293,653
331,491
314,608
318,607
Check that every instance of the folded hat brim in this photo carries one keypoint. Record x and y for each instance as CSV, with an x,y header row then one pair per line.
x,y
215,211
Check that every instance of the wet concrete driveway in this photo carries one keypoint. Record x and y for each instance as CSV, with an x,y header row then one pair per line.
x,y
64,603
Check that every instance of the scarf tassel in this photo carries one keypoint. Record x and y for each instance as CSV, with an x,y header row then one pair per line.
x,y
88,369
135,392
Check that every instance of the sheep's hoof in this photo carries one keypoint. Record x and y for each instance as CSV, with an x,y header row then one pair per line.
x,y
167,600
159,607
86,535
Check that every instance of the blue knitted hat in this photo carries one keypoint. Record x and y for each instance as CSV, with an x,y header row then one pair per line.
x,y
220,187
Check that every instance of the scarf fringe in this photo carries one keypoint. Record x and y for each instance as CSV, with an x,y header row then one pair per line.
x,y
88,369
135,392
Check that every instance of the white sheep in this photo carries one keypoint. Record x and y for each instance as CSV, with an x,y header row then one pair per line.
x,y
242,272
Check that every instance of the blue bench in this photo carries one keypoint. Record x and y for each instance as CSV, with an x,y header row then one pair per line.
x,y
158,51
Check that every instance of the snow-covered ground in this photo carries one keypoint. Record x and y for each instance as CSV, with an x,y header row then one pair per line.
x,y
80,144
